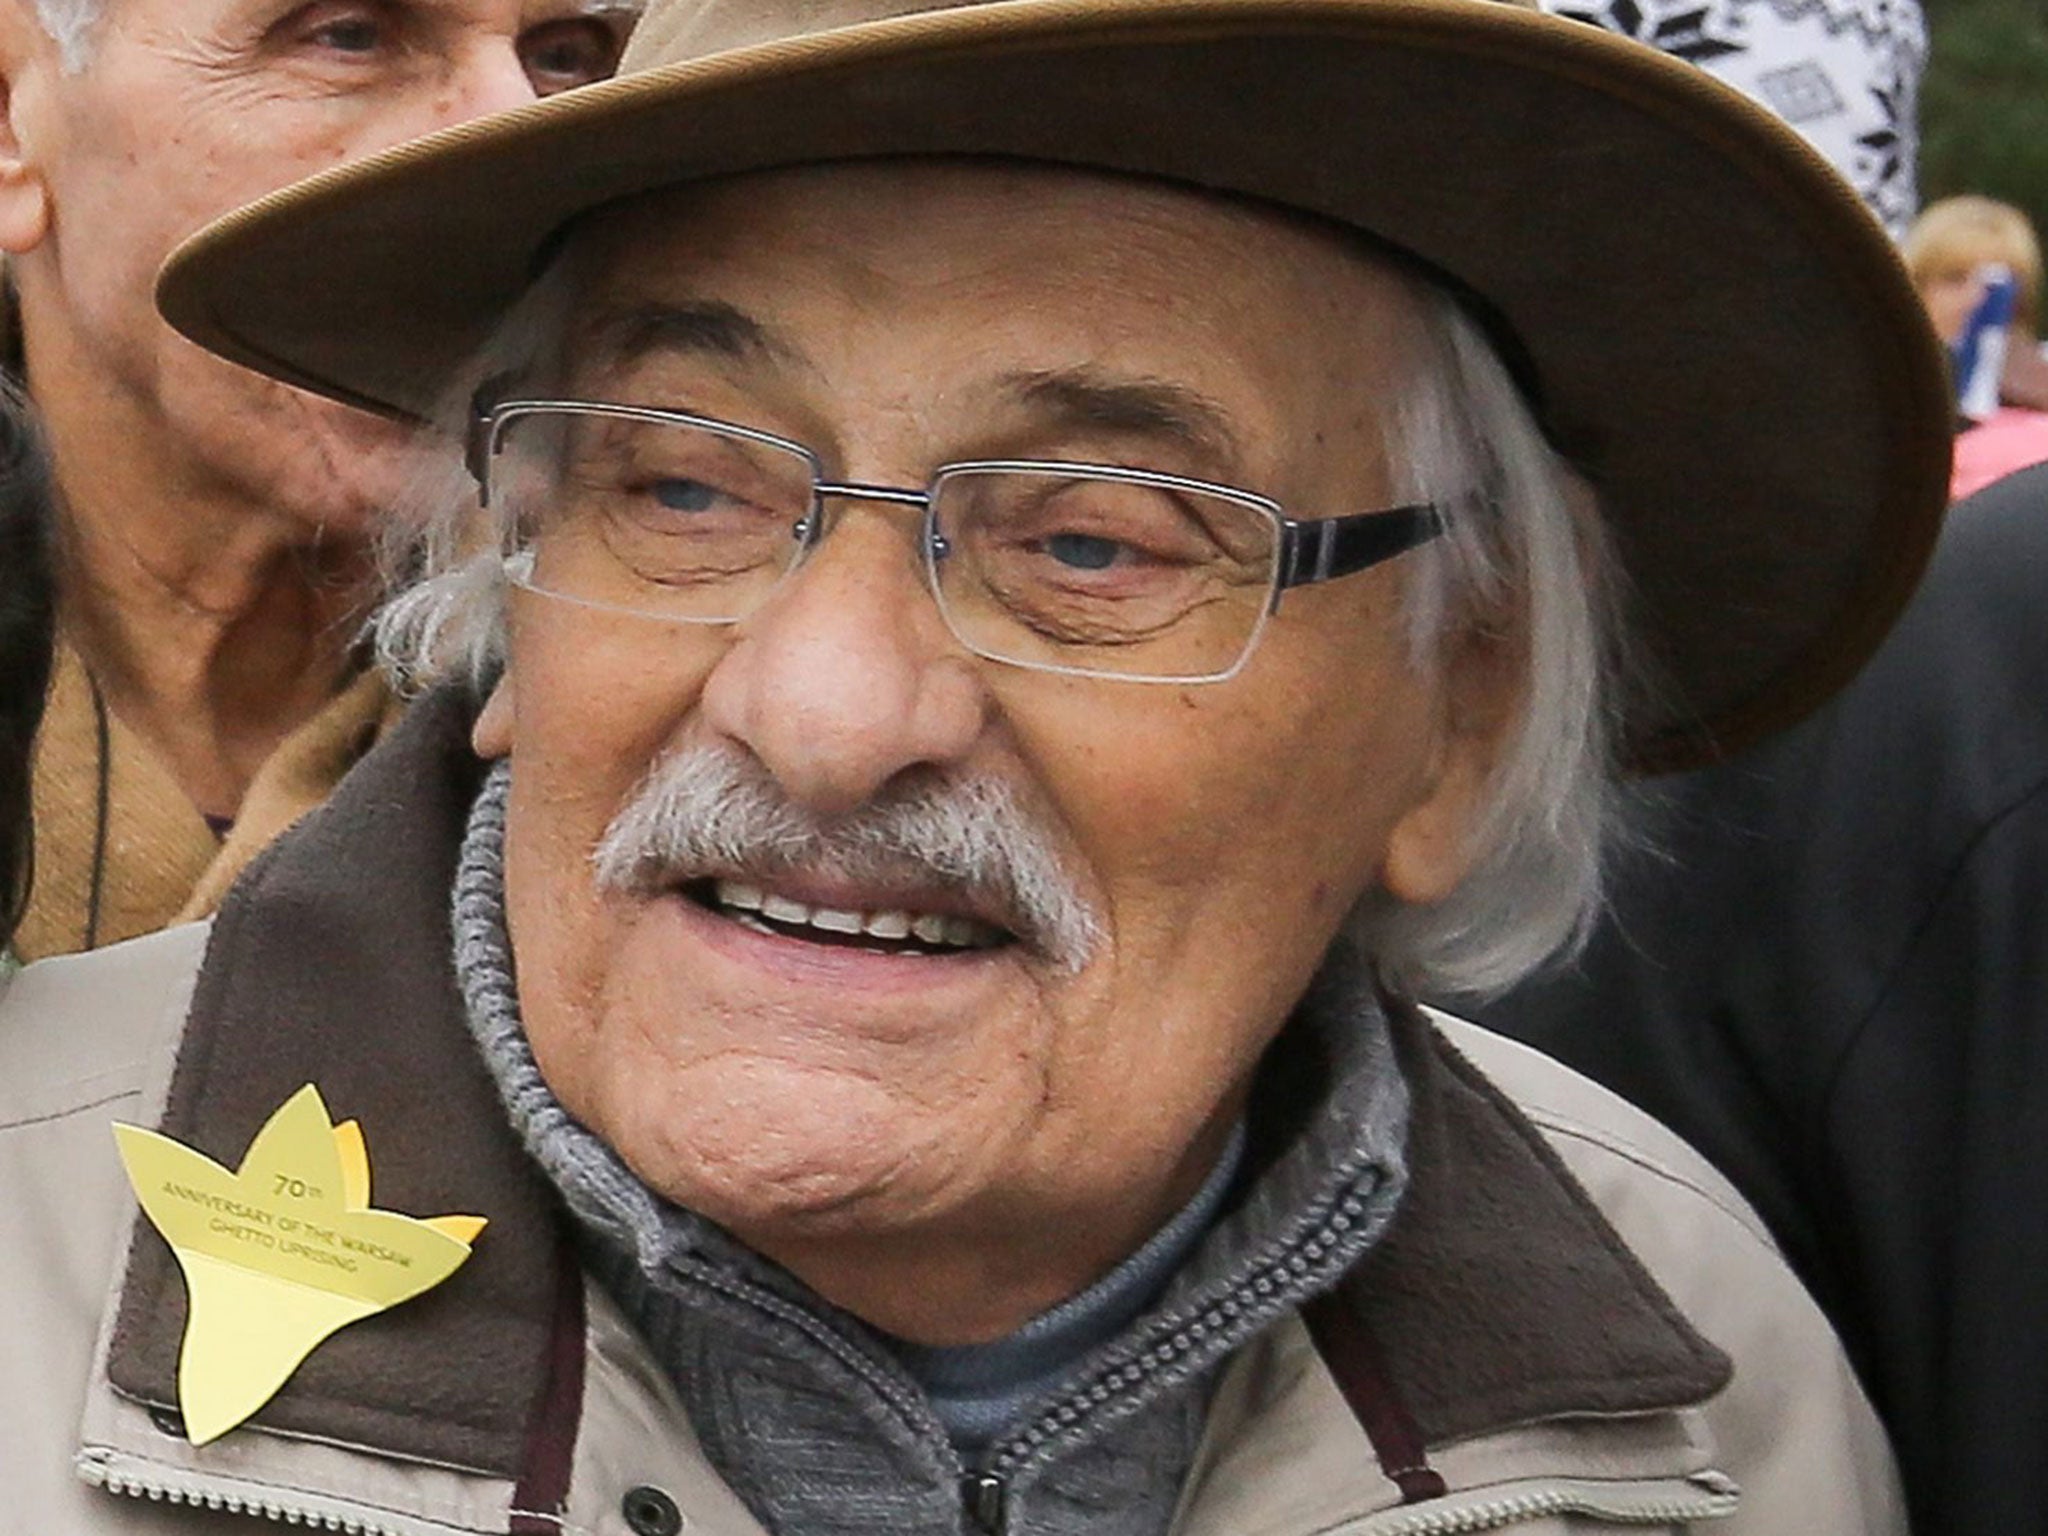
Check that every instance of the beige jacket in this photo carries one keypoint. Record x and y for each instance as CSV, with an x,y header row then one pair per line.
x,y
146,853
1556,1380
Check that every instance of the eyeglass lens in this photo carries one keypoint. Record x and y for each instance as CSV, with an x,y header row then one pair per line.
x,y
1089,572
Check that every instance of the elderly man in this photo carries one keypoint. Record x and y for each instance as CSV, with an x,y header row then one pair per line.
x,y
1028,613
214,550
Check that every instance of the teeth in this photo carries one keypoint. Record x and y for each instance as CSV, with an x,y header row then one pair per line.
x,y
783,910
731,893
888,925
948,931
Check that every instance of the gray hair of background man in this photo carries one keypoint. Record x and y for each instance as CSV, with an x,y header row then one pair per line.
x,y
1525,545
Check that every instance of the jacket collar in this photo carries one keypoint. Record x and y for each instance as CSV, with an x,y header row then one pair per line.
x,y
1499,1294
122,851
329,964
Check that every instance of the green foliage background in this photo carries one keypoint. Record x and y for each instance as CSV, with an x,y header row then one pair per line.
x,y
1984,103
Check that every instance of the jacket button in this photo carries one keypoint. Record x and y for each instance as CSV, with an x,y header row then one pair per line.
x,y
650,1512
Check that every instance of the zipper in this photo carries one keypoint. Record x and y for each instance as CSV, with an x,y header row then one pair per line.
x,y
986,1498
137,1479
1702,1496
1210,1333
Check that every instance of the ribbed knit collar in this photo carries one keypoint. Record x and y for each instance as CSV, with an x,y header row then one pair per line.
x,y
763,1363
980,1391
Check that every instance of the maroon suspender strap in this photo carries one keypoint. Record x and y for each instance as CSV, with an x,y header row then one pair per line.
x,y
542,1495
1353,1355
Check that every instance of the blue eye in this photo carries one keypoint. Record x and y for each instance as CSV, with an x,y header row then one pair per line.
x,y
350,36
685,495
1082,551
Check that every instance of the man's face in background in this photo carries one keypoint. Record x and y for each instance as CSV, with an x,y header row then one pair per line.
x,y
173,113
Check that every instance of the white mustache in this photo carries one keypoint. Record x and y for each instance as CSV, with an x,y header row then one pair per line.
x,y
707,811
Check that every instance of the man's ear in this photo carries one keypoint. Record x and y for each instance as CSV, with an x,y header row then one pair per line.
x,y
491,736
1430,851
1433,845
28,64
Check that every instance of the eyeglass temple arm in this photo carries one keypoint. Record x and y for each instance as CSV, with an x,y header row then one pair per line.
x,y
476,435
1328,547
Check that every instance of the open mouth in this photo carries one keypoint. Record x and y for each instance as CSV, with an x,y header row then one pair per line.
x,y
891,931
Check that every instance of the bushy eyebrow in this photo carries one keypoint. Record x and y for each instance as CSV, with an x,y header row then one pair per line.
x,y
1083,399
619,337
1090,400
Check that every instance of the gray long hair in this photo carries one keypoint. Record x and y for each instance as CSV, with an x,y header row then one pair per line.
x,y
1526,555
1526,548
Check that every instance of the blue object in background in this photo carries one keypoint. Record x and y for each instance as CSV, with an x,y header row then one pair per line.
x,y
1978,355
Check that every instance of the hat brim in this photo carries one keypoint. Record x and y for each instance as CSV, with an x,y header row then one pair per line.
x,y
1713,328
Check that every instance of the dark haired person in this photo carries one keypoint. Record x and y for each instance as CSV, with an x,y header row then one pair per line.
x,y
24,649
1832,978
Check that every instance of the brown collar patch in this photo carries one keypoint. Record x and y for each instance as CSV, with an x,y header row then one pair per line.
x,y
1500,1295
329,964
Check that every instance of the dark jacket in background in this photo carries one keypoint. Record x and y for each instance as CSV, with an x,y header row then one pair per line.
x,y
1835,984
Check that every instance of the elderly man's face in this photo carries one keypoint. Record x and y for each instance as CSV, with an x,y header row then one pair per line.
x,y
843,1099
185,109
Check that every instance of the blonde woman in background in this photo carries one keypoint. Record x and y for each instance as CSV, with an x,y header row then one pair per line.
x,y
1950,251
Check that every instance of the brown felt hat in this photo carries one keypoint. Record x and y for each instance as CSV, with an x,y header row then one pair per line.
x,y
1708,322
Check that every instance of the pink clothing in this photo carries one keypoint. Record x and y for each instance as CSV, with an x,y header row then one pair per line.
x,y
2010,438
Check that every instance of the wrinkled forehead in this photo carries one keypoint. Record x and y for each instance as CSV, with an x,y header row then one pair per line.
x,y
941,269
910,205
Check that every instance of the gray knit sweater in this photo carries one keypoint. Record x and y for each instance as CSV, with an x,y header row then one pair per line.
x,y
807,1413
